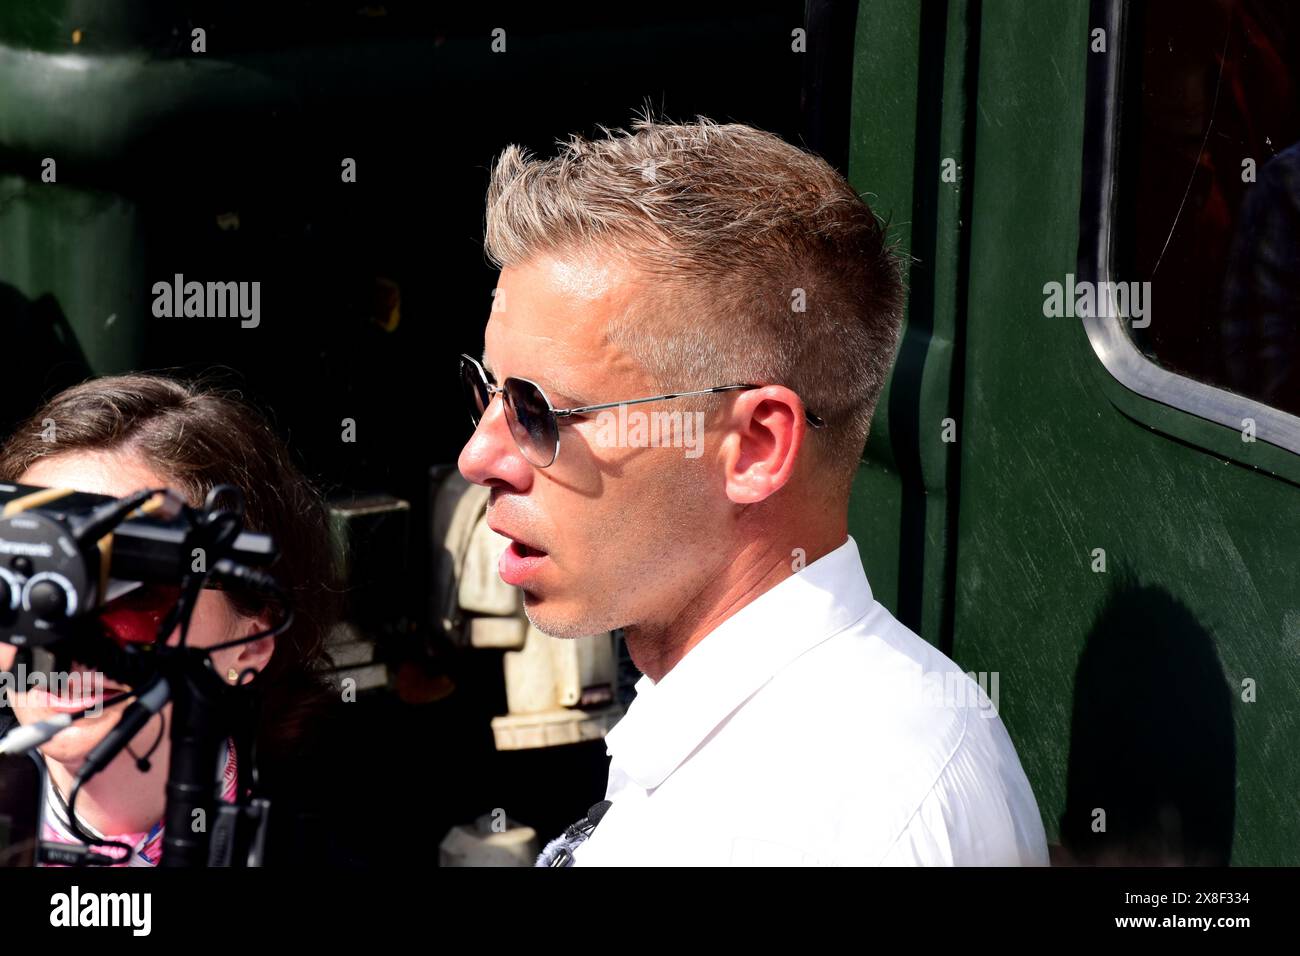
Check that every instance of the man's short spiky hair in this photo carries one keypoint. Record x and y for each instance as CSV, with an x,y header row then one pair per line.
x,y
762,264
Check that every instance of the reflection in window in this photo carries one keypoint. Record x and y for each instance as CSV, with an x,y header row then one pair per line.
x,y
1210,191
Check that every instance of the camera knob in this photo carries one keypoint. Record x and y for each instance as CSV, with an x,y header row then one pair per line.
x,y
48,600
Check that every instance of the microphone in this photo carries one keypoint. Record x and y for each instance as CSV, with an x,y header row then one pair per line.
x,y
148,702
597,812
560,851
23,738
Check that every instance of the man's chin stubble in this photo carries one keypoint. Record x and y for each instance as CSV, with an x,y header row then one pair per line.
x,y
561,628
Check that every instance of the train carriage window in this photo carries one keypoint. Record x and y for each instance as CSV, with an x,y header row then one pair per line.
x,y
1209,191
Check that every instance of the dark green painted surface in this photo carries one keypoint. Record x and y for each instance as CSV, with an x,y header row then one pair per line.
x,y
1057,459
885,80
910,106
1052,469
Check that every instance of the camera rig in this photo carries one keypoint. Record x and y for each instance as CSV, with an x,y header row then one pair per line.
x,y
63,556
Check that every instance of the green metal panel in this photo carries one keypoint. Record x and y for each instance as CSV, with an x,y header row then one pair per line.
x,y
1033,426
909,126
881,157
1052,469
1054,458
92,273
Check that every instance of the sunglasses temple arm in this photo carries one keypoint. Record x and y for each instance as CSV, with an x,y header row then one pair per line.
x,y
582,410
812,419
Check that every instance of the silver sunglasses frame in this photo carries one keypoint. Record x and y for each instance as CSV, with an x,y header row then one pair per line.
x,y
561,413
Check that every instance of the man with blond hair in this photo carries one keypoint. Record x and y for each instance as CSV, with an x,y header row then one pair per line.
x,y
715,275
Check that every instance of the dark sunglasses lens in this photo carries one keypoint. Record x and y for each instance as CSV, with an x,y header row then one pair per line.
x,y
476,390
532,422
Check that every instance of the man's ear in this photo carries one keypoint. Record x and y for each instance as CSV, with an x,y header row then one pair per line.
x,y
767,429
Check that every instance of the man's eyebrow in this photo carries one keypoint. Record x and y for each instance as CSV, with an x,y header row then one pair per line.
x,y
560,395
553,392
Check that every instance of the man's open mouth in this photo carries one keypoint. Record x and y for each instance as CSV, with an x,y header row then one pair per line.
x,y
526,551
520,563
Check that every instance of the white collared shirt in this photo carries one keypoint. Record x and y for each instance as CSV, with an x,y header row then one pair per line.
x,y
812,728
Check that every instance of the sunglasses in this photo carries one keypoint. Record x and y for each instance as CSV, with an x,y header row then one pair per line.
x,y
535,423
135,617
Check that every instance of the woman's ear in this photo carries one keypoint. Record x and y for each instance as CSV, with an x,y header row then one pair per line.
x,y
254,655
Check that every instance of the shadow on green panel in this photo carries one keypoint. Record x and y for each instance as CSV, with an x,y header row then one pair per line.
x,y
1152,765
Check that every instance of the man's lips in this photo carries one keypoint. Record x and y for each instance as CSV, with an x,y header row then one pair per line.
x,y
520,561
526,544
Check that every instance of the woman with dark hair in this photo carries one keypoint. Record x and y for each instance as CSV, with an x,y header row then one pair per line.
x,y
117,435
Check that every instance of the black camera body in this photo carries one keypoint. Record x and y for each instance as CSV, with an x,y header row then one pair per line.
x,y
54,567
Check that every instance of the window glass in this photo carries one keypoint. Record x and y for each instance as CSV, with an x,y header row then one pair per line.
x,y
1210,191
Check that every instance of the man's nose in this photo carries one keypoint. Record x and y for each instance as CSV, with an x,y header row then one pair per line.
x,y
491,455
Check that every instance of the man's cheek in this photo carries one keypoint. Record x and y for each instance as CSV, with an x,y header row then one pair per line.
x,y
7,654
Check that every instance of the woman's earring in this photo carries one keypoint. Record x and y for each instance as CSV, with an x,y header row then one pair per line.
x,y
232,675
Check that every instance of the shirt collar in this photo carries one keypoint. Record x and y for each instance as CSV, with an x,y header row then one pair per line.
x,y
667,721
